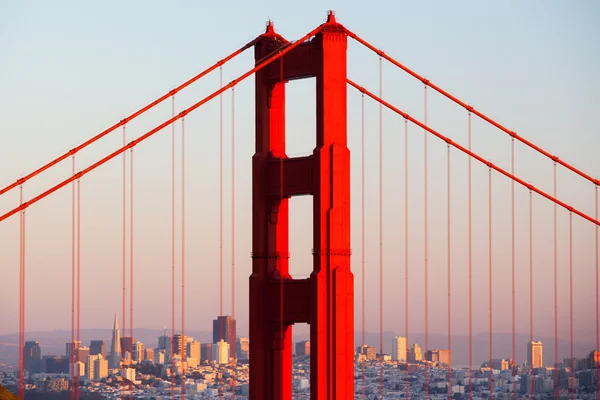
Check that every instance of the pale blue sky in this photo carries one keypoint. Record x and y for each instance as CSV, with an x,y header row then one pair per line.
x,y
69,70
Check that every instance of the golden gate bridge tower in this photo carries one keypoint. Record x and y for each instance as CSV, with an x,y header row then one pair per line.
x,y
325,300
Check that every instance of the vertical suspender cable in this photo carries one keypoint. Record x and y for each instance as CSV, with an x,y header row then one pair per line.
x,y
555,298
172,249
449,291
362,237
22,299
183,339
597,305
572,360
131,269
235,355
124,252
490,277
220,225
513,366
470,278
78,283
380,231
426,249
72,344
531,286
406,383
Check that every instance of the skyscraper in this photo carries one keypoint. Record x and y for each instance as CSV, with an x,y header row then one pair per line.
x,y
399,348
303,348
415,354
32,356
98,347
224,328
534,354
115,345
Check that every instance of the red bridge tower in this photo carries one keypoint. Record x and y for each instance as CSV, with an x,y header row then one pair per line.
x,y
326,299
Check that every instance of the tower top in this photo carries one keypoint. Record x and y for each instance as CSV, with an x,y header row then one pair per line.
x,y
116,323
270,27
331,17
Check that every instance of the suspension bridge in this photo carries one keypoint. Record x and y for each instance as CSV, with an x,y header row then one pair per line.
x,y
325,299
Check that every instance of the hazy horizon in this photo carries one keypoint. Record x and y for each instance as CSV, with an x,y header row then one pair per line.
x,y
69,72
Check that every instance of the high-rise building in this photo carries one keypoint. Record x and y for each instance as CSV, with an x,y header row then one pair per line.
x,y
100,368
369,352
224,327
159,356
399,348
149,354
242,348
115,345
303,348
179,345
138,351
127,345
164,342
221,352
32,357
437,355
98,347
415,354
206,352
193,353
70,346
534,354
55,364
82,353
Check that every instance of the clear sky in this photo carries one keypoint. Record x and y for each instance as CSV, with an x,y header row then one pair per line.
x,y
69,70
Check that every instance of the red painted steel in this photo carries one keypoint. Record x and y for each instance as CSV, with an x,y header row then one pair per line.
x,y
328,292
472,109
471,155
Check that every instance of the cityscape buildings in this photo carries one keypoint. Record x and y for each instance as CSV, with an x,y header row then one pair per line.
x,y
399,348
534,354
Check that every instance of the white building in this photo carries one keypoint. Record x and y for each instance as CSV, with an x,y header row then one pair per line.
x,y
221,352
399,348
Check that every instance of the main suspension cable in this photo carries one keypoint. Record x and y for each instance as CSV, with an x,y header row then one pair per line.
x,y
471,154
156,102
471,109
160,127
